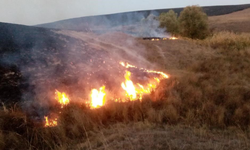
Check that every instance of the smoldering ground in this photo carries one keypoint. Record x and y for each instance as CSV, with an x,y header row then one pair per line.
x,y
43,60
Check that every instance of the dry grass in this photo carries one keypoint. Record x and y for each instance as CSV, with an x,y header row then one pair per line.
x,y
147,136
206,108
204,105
228,40
173,55
236,22
133,125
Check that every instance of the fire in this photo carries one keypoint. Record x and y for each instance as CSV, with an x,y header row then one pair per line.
x,y
136,91
158,39
98,97
50,123
127,65
142,90
155,39
173,38
158,80
129,87
164,75
133,91
62,98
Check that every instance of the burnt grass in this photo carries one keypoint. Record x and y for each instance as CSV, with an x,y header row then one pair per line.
x,y
215,95
16,50
31,57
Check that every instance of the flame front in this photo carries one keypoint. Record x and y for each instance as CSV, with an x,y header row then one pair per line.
x,y
164,75
170,38
98,97
128,86
132,91
62,98
173,38
136,91
50,123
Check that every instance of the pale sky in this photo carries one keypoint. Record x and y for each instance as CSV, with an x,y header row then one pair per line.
x,y
32,12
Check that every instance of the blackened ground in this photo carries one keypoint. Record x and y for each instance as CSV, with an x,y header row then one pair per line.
x,y
26,55
10,78
16,50
36,61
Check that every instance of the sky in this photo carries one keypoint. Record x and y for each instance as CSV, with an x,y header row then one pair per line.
x,y
33,12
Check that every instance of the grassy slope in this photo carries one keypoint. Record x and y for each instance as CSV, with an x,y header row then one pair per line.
x,y
147,136
236,22
213,73
193,111
128,18
205,105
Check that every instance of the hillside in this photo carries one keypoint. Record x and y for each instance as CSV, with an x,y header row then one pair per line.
x,y
237,21
204,103
33,58
117,21
30,56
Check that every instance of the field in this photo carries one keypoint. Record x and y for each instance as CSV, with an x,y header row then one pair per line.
x,y
205,104
236,22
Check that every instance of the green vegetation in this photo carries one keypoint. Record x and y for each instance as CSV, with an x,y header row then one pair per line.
x,y
192,22
169,20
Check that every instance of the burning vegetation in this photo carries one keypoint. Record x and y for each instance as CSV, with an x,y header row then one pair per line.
x,y
97,97
132,91
62,98
89,95
159,38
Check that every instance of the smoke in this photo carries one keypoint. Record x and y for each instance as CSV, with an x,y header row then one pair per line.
x,y
74,62
137,24
149,27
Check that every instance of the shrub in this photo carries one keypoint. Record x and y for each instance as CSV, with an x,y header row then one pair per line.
x,y
193,23
169,21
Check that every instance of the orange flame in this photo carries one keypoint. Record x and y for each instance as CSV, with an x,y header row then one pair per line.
x,y
136,91
62,98
50,123
127,65
129,87
164,75
155,39
98,97
173,38
133,91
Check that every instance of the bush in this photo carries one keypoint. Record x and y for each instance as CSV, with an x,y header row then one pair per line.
x,y
169,21
193,23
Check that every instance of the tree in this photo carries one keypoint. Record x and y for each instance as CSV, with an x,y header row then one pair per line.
x,y
193,23
169,21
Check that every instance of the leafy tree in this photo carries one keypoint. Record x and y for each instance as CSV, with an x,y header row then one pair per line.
x,y
169,20
193,23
